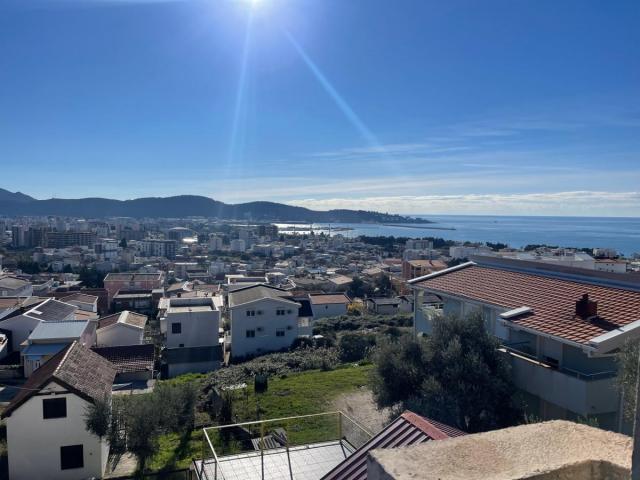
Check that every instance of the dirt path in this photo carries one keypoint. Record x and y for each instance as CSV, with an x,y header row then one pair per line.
x,y
360,406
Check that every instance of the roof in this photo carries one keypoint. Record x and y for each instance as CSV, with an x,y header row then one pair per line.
x,y
129,358
553,300
132,276
77,368
556,449
408,429
51,310
41,349
329,298
193,354
258,292
80,298
385,301
12,283
129,318
340,279
58,329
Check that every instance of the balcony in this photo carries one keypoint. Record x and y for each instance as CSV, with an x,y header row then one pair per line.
x,y
296,448
584,393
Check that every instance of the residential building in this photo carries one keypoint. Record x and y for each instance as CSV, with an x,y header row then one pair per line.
x,y
85,302
69,239
418,268
114,282
139,301
191,322
340,283
133,363
559,329
11,286
23,324
263,319
462,251
384,305
47,418
48,338
122,328
610,265
153,247
329,305
237,245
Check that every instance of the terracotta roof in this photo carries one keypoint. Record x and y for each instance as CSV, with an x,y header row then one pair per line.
x,y
329,299
76,368
553,300
129,358
408,429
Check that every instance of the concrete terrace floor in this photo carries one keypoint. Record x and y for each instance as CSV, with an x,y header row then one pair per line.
x,y
308,462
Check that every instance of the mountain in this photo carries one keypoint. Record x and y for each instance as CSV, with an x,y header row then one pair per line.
x,y
13,204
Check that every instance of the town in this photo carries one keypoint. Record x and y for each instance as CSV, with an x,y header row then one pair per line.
x,y
224,349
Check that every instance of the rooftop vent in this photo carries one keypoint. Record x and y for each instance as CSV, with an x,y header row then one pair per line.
x,y
586,308
516,312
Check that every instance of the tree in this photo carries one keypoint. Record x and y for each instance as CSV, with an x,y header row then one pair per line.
x,y
355,346
383,284
97,417
123,243
142,427
358,288
456,376
627,360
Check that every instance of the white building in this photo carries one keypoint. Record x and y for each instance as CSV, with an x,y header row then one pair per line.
x,y
610,265
191,322
237,245
263,319
329,305
46,434
14,287
123,328
215,243
22,325
87,303
461,251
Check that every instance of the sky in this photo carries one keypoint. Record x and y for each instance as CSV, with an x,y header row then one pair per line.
x,y
406,106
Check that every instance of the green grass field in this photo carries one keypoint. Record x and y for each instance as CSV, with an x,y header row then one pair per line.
x,y
298,394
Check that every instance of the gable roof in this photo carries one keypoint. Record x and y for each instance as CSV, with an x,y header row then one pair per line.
x,y
12,283
408,429
552,300
126,317
76,368
80,298
129,358
51,310
258,292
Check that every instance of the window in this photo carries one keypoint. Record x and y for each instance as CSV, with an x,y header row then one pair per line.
x,y
289,311
259,312
251,313
279,332
54,408
251,333
279,312
176,328
71,456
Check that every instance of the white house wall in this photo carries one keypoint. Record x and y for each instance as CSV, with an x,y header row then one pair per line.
x,y
119,334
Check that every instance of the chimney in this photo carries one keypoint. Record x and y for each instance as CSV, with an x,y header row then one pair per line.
x,y
586,308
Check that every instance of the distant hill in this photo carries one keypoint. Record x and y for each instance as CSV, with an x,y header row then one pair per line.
x,y
184,206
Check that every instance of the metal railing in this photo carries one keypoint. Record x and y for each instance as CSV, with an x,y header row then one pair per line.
x,y
527,355
276,436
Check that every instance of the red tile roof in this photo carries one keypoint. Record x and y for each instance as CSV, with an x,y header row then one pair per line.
x,y
553,300
331,298
129,358
408,429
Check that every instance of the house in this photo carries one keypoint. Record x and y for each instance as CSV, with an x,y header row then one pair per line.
x,y
87,303
139,301
22,325
124,328
329,305
418,268
11,286
133,363
46,434
48,338
383,305
408,429
263,319
339,283
115,282
559,329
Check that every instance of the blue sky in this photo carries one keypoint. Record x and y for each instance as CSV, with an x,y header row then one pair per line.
x,y
411,106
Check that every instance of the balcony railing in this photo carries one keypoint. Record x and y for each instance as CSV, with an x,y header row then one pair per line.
x,y
513,349
254,449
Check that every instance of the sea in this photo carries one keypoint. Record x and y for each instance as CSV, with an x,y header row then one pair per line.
x,y
619,233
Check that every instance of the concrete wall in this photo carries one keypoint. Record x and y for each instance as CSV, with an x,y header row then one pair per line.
x,y
119,334
198,328
34,443
20,327
265,326
176,369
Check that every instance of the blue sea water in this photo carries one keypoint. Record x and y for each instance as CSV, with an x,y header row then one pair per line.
x,y
622,234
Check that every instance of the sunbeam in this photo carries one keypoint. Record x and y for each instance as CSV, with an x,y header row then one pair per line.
x,y
340,102
236,144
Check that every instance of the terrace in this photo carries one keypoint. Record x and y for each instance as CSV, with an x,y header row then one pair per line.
x,y
297,448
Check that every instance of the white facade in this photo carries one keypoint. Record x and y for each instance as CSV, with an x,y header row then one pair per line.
x,y
191,322
34,443
238,245
612,266
119,334
328,310
262,326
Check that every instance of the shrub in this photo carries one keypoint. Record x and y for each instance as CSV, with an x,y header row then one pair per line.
x,y
355,346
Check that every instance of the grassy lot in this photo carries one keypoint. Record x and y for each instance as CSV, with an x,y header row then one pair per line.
x,y
298,394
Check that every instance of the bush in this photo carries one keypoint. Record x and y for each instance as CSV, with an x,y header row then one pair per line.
x,y
354,347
